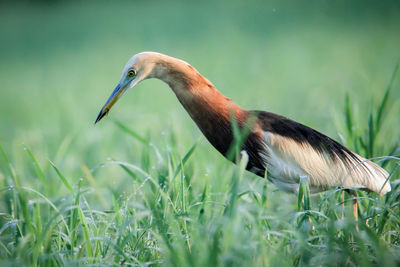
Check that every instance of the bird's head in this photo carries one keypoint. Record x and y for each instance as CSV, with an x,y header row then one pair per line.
x,y
140,67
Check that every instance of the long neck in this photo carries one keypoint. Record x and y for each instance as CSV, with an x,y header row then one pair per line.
x,y
210,109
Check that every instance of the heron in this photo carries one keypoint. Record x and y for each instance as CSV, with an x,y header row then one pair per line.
x,y
286,149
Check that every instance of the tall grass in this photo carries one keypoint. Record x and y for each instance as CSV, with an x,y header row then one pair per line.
x,y
168,213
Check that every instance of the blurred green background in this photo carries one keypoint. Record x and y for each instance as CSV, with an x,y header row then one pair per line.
x,y
59,61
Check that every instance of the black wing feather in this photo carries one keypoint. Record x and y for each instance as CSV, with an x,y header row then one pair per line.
x,y
302,134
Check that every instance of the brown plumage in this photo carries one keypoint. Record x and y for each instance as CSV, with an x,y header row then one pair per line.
x,y
287,149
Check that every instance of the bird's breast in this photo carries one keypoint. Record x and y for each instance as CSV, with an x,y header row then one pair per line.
x,y
219,132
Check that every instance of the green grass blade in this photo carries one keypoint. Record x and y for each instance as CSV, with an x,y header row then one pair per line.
x,y
132,133
394,151
131,174
348,116
62,178
116,208
8,164
371,133
185,159
74,218
39,171
86,233
183,205
300,196
230,209
145,157
304,195
383,105
203,199
22,198
240,135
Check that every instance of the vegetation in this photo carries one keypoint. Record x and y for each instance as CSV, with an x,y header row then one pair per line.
x,y
144,187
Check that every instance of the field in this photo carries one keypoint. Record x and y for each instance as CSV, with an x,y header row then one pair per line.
x,y
143,186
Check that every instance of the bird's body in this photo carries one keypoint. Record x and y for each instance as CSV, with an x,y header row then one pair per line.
x,y
286,149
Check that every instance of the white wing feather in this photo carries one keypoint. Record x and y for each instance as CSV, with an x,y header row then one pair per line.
x,y
287,160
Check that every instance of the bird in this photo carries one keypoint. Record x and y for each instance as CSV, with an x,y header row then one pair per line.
x,y
277,147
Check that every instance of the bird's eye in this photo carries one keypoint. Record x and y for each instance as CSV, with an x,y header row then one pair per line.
x,y
131,73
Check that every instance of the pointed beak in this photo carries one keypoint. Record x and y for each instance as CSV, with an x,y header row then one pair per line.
x,y
118,91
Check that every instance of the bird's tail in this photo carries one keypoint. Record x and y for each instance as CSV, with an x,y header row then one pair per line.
x,y
377,178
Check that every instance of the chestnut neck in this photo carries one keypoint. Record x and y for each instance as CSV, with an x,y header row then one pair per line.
x,y
209,108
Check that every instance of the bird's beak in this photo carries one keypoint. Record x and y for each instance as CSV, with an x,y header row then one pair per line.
x,y
118,91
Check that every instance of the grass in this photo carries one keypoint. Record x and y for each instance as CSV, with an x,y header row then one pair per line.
x,y
164,217
143,187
